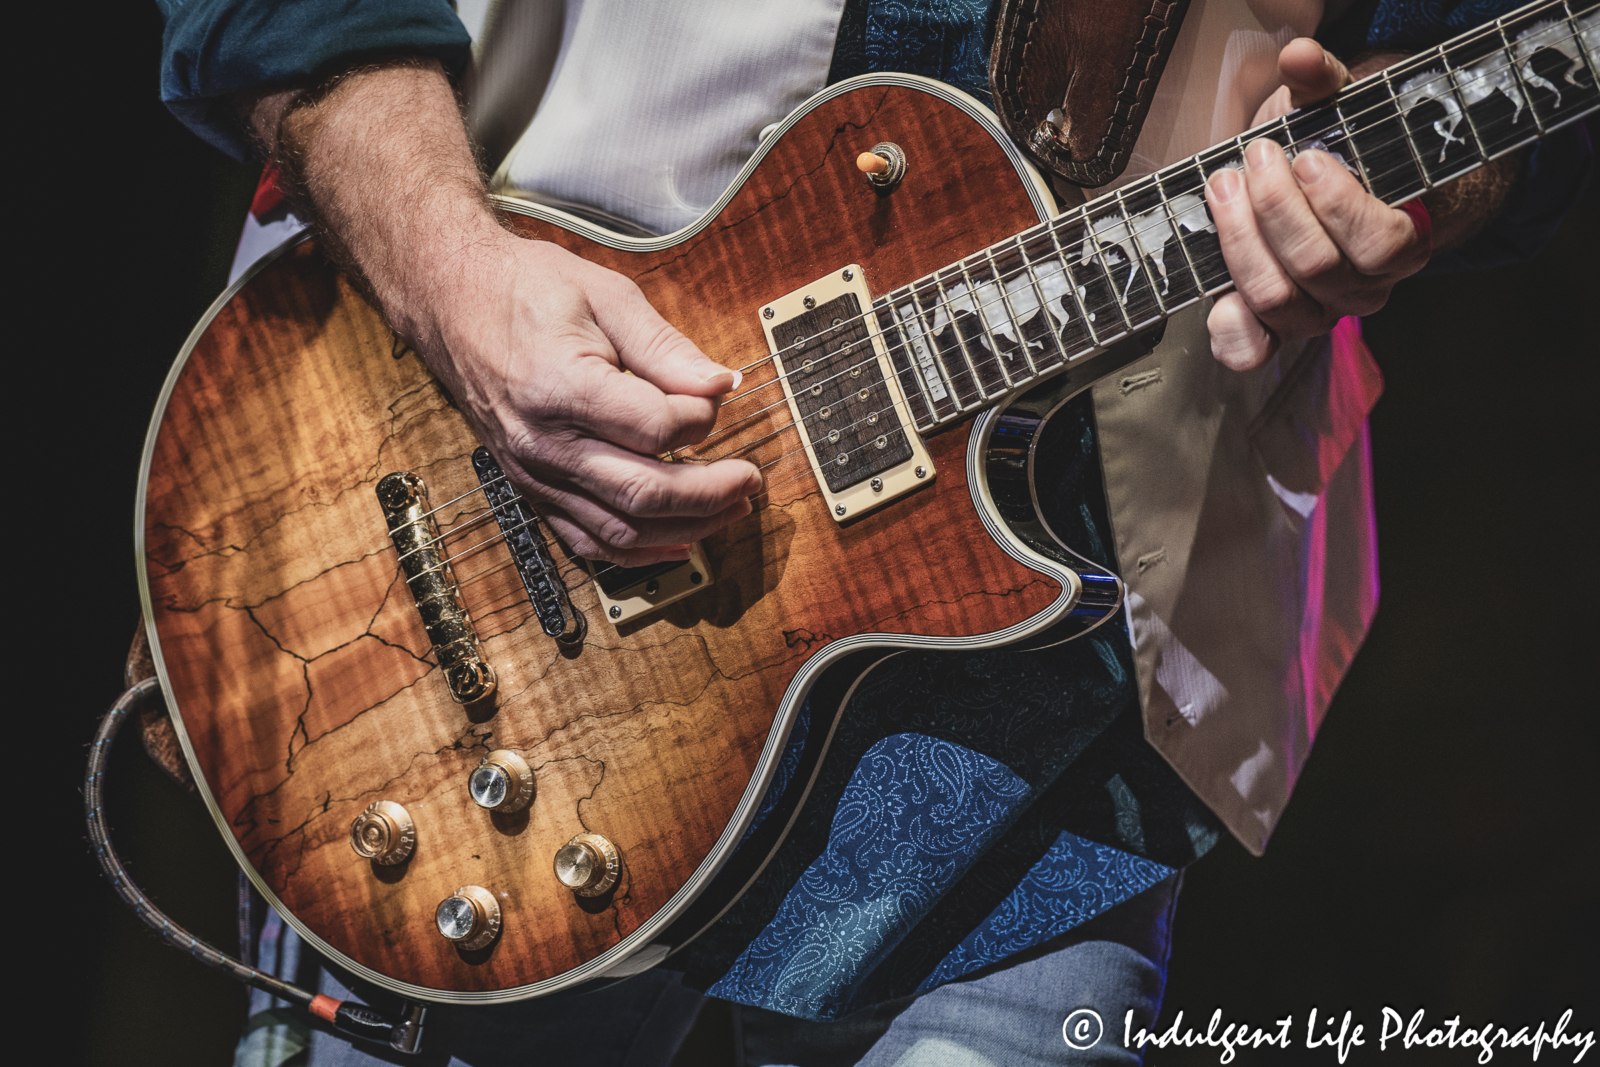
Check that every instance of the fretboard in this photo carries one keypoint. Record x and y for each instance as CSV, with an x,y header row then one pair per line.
x,y
989,325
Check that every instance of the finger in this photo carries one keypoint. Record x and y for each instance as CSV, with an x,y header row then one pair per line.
x,y
1239,341
580,542
1305,250
653,349
1258,277
647,488
635,413
595,532
1377,240
1310,72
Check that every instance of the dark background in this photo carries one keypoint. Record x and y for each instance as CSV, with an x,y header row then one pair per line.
x,y
1440,851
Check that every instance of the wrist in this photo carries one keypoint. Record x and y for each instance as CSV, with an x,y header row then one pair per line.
x,y
379,160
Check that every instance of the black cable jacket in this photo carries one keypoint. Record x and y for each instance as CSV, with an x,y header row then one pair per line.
x,y
132,895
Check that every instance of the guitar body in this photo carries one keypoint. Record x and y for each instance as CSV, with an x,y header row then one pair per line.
x,y
306,688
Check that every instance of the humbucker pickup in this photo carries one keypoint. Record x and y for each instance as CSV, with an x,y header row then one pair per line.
x,y
842,393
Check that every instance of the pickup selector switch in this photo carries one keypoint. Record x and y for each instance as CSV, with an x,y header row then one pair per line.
x,y
588,865
470,917
502,782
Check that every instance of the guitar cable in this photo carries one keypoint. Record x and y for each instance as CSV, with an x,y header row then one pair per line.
x,y
348,1017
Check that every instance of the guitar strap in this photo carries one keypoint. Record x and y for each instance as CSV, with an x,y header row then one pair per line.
x,y
1073,79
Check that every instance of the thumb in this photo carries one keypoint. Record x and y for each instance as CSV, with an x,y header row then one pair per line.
x,y
652,349
1310,72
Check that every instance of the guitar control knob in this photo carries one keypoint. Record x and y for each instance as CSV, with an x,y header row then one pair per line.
x,y
384,833
502,782
588,865
470,918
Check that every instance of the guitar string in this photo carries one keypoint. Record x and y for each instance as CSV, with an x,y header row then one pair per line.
x,y
968,286
971,285
1140,226
1161,224
1341,126
1136,269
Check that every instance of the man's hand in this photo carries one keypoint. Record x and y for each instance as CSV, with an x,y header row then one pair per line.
x,y
532,341
1305,243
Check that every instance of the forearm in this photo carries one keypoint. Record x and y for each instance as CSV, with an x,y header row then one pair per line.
x,y
380,159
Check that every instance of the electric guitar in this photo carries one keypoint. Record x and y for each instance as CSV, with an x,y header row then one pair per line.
x,y
471,767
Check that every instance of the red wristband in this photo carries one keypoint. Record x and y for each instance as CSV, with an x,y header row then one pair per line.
x,y
1422,221
269,192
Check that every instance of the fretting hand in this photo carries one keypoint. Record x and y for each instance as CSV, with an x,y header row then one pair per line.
x,y
1305,242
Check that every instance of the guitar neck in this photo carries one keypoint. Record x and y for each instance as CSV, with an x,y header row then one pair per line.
x,y
1123,262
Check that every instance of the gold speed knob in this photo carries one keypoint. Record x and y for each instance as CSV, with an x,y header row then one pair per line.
x,y
502,782
470,917
384,833
588,865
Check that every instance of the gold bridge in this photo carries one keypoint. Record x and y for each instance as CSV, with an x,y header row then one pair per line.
x,y
404,498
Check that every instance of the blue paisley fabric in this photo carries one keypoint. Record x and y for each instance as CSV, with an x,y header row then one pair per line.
x,y
917,814
968,807
946,40
1413,23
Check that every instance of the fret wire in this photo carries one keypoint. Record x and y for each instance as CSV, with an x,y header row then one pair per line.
x,y
1038,293
1572,32
1355,149
979,306
1169,232
1288,135
1592,61
1031,370
1414,63
910,343
1084,263
1405,132
1511,58
1177,231
1092,240
1032,275
1526,104
1044,301
1136,253
961,342
933,347
920,324
1450,87
1072,281
887,309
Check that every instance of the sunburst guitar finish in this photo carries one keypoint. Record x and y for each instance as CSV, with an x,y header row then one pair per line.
x,y
306,686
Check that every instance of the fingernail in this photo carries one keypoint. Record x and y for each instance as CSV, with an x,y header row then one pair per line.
x,y
1309,168
738,380
712,371
754,483
1225,185
1259,155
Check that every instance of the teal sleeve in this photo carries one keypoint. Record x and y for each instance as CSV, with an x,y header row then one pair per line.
x,y
213,49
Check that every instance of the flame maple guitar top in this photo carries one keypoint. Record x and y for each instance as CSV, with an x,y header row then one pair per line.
x,y
295,656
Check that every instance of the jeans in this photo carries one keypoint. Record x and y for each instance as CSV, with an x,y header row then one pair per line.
x,y
1011,1014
